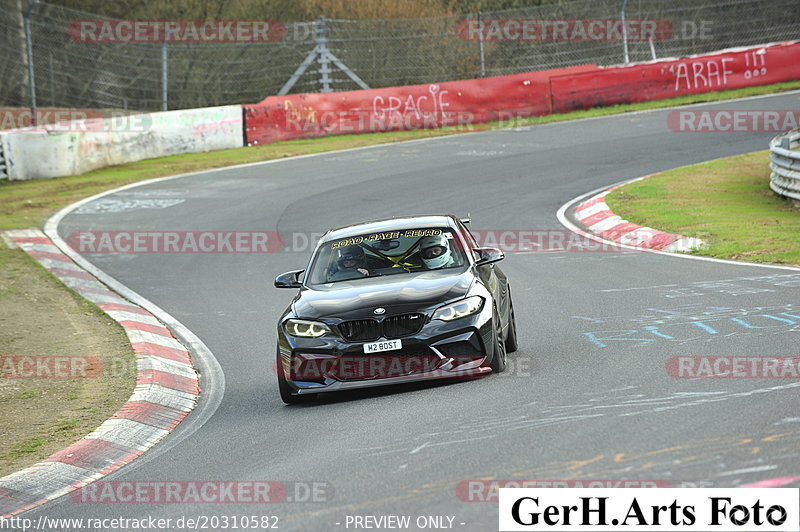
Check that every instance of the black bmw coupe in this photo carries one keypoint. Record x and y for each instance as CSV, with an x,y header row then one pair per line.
x,y
394,301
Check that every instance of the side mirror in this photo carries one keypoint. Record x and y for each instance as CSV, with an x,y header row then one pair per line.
x,y
488,256
289,279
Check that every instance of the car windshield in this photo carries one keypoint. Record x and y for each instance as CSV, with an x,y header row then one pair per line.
x,y
387,253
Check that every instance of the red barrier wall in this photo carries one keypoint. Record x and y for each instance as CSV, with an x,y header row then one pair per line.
x,y
451,103
457,103
731,69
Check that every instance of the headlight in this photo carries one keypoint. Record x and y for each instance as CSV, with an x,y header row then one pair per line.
x,y
459,309
305,328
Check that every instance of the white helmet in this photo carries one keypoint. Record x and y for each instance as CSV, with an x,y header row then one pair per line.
x,y
435,251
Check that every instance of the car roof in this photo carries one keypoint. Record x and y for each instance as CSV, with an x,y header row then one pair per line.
x,y
389,224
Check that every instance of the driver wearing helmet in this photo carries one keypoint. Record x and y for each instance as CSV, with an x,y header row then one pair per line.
x,y
351,263
435,252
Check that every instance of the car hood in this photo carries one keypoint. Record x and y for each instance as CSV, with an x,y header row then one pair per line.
x,y
398,294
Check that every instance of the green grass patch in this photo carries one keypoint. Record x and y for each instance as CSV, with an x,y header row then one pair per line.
x,y
25,447
726,202
25,204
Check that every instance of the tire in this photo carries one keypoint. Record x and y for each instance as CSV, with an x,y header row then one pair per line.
x,y
286,390
499,356
511,337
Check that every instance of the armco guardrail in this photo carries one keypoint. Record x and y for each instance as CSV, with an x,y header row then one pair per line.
x,y
785,165
71,148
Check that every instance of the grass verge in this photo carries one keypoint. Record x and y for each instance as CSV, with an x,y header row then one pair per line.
x,y
40,318
726,202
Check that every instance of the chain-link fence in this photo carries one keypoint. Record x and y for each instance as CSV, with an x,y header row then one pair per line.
x,y
62,70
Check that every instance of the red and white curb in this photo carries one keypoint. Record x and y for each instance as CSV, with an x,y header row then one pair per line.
x,y
596,216
167,389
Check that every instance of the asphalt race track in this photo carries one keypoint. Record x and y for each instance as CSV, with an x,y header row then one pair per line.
x,y
587,395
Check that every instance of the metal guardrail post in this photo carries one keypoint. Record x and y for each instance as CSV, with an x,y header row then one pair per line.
x,y
164,73
624,31
322,57
785,165
29,53
480,44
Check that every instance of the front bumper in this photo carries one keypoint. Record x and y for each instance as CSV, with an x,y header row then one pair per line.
x,y
440,350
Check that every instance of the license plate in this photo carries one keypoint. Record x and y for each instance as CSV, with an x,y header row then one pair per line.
x,y
387,345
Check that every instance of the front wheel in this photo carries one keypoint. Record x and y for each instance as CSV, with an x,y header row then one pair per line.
x,y
286,390
499,358
511,337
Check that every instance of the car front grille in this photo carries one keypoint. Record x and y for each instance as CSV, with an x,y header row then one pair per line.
x,y
403,325
391,327
360,330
